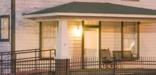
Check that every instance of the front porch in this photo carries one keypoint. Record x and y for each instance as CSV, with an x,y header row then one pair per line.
x,y
103,40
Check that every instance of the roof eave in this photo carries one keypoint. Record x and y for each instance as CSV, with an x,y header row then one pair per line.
x,y
58,14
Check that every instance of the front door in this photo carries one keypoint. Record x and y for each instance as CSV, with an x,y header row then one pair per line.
x,y
91,45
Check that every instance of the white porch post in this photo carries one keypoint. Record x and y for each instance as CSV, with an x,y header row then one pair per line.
x,y
62,50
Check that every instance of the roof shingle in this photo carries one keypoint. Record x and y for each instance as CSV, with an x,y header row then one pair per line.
x,y
101,8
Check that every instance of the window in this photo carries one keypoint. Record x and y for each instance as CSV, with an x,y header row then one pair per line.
x,y
121,38
4,28
130,38
48,39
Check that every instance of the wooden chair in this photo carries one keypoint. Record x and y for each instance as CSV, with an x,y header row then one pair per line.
x,y
106,58
127,56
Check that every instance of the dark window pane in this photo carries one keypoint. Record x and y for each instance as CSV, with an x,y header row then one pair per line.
x,y
4,28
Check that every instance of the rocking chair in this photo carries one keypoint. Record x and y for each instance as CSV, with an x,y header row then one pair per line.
x,y
106,58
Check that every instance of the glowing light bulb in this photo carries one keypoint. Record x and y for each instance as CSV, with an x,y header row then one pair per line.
x,y
77,31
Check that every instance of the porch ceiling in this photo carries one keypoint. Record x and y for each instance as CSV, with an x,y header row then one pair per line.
x,y
89,9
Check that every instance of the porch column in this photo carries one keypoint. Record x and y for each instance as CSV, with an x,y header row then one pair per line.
x,y
62,50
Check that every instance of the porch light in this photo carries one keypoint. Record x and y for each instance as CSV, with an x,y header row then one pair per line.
x,y
77,31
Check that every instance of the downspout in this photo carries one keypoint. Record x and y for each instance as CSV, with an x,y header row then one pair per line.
x,y
13,23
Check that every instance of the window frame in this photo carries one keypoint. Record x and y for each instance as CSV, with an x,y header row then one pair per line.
x,y
1,39
122,51
41,44
136,27
138,40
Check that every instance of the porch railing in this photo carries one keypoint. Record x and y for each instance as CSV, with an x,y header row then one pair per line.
x,y
26,61
30,63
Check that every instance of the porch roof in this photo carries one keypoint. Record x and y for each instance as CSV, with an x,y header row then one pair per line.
x,y
93,9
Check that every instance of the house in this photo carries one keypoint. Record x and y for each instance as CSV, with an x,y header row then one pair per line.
x,y
80,30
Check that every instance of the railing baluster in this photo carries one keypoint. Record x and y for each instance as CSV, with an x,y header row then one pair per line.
x,y
50,61
1,62
35,60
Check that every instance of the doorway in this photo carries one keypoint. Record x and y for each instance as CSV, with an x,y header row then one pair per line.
x,y
91,45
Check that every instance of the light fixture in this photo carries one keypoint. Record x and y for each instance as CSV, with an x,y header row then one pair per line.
x,y
77,31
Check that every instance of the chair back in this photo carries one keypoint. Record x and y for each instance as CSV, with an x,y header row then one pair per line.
x,y
105,54
117,55
127,55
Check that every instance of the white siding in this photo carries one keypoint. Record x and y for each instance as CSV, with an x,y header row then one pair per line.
x,y
5,10
5,7
148,39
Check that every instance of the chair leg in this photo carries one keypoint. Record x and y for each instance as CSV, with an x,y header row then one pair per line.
x,y
102,65
107,66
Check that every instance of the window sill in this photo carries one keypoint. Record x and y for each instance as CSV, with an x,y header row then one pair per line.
x,y
4,40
